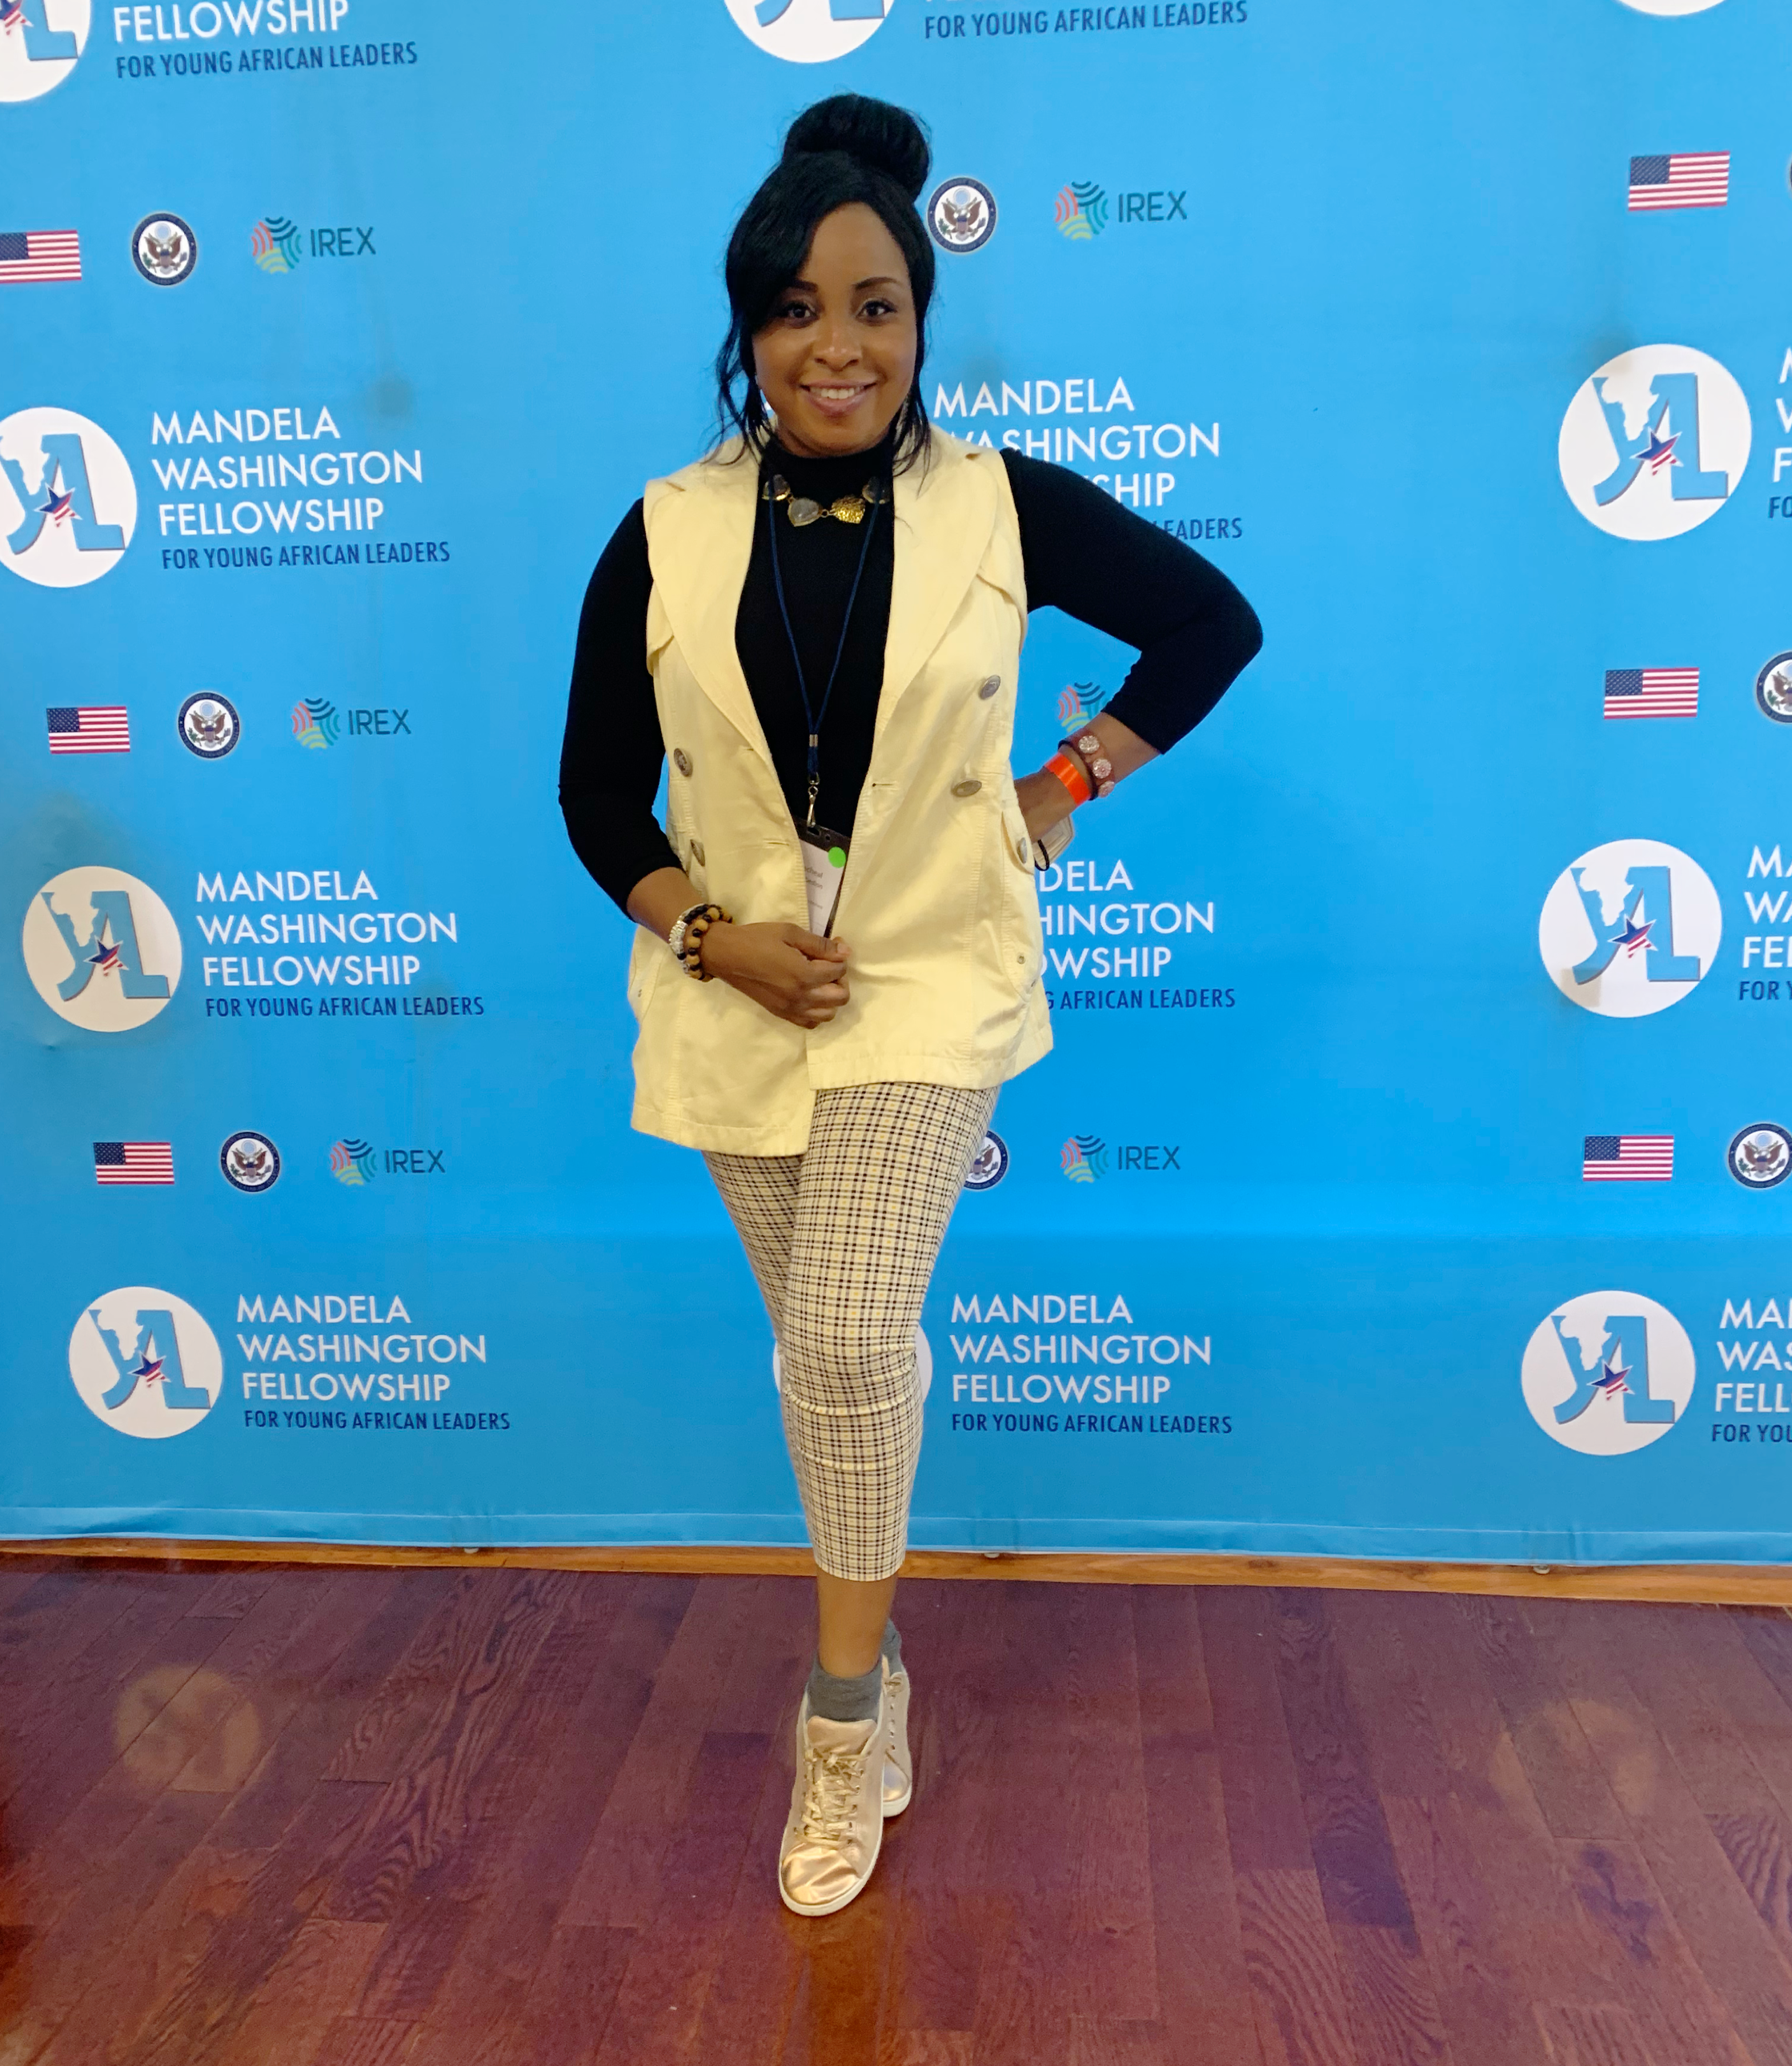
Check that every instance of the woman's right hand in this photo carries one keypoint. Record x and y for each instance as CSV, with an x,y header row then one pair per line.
x,y
797,976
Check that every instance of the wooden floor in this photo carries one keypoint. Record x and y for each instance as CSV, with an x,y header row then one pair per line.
x,y
528,1818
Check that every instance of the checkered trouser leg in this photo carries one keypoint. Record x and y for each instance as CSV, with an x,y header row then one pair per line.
x,y
843,1240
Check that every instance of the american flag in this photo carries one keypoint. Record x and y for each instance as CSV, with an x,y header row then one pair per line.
x,y
1651,692
1627,1158
89,728
39,254
1680,179
133,1162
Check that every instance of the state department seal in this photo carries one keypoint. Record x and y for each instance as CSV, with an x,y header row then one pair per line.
x,y
1773,689
989,1165
1761,1157
250,1162
961,215
164,250
208,725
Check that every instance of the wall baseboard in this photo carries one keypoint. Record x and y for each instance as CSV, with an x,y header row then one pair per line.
x,y
1728,1585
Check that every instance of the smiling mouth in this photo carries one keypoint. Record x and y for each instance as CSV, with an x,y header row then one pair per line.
x,y
837,396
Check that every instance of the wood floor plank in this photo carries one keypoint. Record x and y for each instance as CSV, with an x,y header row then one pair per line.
x,y
1688,1877
290,2016
434,1913
1389,1991
316,1731
618,1885
1605,2035
60,1951
55,1617
425,1811
1565,1775
1649,1966
1096,2042
362,2041
1297,1990
233,1591
80,1812
934,1965
482,1998
562,2020
1204,2011
203,1979
43,1773
1297,1995
445,1649
1108,1944
658,2011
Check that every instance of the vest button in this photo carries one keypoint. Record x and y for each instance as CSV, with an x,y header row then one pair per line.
x,y
967,788
1023,851
681,760
987,687
696,851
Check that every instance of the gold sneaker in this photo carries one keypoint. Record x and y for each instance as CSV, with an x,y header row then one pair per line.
x,y
836,1826
899,1765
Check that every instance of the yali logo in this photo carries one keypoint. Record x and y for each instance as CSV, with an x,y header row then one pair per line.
x,y
961,215
40,42
1608,1372
145,1363
1654,442
808,31
68,505
102,949
1630,928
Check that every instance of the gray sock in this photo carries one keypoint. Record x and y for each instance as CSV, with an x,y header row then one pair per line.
x,y
845,1699
892,1648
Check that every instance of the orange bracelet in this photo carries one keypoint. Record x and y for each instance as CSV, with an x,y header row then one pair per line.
x,y
1071,775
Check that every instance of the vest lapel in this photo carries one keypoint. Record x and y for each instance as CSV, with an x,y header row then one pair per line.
x,y
699,541
944,519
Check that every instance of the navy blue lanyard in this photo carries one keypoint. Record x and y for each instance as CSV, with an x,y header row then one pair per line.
x,y
812,715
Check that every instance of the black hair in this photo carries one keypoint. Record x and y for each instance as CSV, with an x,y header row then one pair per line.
x,y
845,149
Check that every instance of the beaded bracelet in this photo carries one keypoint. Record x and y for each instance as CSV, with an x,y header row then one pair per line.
x,y
695,926
1097,766
1069,773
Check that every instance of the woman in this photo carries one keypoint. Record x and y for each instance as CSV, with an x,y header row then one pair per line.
x,y
839,957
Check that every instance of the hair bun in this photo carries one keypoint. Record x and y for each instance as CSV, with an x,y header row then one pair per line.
x,y
887,138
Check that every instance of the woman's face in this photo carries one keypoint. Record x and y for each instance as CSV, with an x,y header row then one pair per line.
x,y
836,359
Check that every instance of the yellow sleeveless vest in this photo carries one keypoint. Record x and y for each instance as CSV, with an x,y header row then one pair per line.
x,y
937,903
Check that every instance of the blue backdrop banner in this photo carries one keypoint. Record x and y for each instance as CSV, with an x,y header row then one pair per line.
x,y
1408,1175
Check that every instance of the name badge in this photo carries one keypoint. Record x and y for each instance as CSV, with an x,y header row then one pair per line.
x,y
824,871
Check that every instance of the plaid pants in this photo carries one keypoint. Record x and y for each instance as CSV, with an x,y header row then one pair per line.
x,y
843,1239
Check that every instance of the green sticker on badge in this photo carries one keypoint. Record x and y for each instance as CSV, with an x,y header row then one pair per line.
x,y
836,856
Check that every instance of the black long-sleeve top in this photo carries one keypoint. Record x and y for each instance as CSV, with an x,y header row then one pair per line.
x,y
1083,553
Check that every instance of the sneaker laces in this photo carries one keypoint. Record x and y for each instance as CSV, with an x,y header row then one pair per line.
x,y
831,1797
